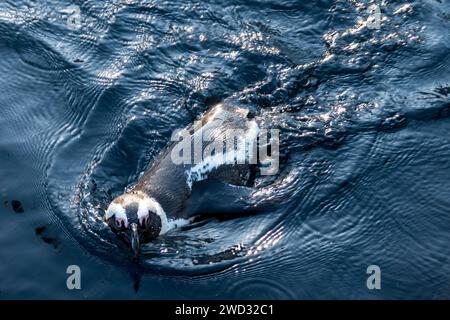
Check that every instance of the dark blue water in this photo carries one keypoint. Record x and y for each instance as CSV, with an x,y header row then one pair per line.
x,y
364,117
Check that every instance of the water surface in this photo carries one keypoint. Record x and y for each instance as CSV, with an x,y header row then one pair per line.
x,y
364,119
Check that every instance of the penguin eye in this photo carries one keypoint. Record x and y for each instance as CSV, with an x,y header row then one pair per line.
x,y
143,221
118,223
152,222
147,222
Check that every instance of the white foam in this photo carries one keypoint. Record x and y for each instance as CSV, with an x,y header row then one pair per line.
x,y
177,223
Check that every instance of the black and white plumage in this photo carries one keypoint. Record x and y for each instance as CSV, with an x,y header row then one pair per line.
x,y
169,194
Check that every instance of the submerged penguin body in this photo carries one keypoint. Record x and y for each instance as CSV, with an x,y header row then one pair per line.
x,y
205,170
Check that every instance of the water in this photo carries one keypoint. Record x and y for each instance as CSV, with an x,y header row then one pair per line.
x,y
363,111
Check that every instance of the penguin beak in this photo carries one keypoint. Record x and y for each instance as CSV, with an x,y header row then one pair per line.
x,y
134,239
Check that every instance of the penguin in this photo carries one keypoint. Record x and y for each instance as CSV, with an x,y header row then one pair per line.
x,y
208,167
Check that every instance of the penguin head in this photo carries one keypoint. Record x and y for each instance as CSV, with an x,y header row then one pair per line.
x,y
136,218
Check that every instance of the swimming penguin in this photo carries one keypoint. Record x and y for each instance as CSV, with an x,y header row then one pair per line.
x,y
207,168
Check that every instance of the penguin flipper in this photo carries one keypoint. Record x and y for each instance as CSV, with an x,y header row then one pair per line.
x,y
236,175
213,197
